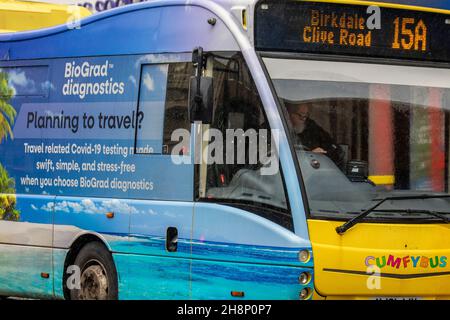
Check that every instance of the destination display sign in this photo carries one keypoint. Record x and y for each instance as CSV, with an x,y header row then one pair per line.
x,y
320,27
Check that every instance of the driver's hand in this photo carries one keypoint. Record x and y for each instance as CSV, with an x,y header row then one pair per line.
x,y
319,150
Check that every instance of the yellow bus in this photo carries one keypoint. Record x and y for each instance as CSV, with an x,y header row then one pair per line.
x,y
23,16
375,77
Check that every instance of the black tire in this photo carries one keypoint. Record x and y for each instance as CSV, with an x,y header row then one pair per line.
x,y
98,275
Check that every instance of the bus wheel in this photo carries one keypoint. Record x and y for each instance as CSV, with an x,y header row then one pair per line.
x,y
98,276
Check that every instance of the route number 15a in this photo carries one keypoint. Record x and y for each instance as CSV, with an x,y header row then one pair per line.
x,y
409,34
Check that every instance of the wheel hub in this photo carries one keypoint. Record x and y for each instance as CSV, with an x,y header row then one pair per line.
x,y
94,283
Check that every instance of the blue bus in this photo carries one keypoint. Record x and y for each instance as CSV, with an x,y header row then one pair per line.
x,y
105,193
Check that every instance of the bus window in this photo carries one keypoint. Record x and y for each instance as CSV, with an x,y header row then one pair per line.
x,y
239,181
396,129
163,98
152,95
176,113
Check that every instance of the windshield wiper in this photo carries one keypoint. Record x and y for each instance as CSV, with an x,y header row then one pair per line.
x,y
343,228
437,214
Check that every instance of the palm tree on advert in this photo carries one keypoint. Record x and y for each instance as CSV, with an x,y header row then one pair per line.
x,y
8,200
8,209
7,111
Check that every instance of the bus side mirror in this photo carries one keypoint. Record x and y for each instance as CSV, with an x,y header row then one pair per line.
x,y
201,100
200,91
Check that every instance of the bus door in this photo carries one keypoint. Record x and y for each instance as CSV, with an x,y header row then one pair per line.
x,y
26,212
243,237
161,226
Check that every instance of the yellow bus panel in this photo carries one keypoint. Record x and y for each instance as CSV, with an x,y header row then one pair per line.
x,y
24,16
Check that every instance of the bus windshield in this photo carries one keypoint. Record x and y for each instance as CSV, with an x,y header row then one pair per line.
x,y
364,132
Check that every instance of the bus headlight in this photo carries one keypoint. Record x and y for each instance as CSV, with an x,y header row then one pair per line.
x,y
304,278
305,294
303,256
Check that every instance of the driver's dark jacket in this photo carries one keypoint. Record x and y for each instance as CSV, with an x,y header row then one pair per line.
x,y
314,136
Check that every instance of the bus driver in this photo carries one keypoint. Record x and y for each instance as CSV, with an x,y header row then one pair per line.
x,y
312,136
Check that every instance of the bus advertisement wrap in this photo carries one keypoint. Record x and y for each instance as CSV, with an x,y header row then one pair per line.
x,y
52,141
